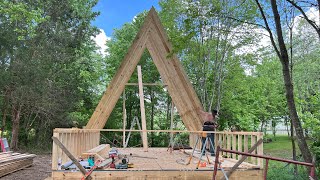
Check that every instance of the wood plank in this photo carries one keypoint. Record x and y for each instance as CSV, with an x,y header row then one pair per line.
x,y
100,151
242,159
234,145
17,157
245,144
171,126
240,145
170,77
158,175
117,84
228,143
55,152
146,84
73,159
178,66
142,111
124,118
15,166
253,141
260,150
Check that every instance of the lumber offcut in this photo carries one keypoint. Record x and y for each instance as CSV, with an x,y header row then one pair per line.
x,y
11,162
100,152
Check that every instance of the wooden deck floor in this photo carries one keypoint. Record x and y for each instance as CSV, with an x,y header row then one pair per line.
x,y
161,159
163,165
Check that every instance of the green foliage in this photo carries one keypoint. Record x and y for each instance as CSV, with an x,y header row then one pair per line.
x,y
50,66
19,13
281,147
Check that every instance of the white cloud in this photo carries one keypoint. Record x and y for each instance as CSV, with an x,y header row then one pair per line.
x,y
262,40
100,41
312,14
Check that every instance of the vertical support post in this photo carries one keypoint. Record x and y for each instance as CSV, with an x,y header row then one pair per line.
x,y
234,145
171,125
55,153
216,164
143,114
229,136
124,119
245,145
253,141
312,171
260,149
266,169
240,145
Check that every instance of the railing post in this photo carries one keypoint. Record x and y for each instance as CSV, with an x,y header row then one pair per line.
x,y
216,163
312,171
266,169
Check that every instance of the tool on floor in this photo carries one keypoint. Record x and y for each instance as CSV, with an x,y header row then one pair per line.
x,y
131,155
112,164
91,170
202,150
124,163
113,152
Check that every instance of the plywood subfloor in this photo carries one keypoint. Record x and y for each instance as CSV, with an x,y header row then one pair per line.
x,y
164,167
173,161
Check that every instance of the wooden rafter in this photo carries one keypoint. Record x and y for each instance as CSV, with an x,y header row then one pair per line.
x,y
153,37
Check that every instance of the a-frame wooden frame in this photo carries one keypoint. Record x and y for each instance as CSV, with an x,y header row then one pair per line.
x,y
153,37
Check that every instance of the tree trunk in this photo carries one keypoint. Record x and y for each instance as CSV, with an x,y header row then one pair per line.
x,y
15,126
284,58
294,153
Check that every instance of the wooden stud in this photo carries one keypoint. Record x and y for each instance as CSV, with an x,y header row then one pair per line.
x,y
240,144
234,145
124,119
253,141
171,125
55,153
146,84
260,150
228,143
245,143
142,110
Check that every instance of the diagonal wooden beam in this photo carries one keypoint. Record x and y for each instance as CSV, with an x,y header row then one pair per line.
x,y
242,159
122,76
73,159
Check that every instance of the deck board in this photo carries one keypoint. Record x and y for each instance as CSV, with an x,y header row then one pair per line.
x,y
173,161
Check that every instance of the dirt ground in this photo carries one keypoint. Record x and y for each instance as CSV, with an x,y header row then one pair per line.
x,y
40,170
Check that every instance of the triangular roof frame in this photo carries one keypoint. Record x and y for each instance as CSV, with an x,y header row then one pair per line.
x,y
153,37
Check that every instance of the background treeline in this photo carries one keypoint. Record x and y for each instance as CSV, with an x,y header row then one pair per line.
x,y
53,76
49,68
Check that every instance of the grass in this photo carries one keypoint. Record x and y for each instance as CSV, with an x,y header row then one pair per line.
x,y
281,147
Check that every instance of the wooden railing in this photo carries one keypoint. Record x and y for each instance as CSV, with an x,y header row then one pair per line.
x,y
80,140
76,140
240,141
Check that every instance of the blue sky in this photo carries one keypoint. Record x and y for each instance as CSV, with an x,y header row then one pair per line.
x,y
114,13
